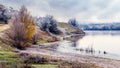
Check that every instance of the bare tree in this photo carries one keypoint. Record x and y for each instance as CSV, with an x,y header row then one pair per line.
x,y
17,33
22,29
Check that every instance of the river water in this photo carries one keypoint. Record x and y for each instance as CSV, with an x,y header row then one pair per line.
x,y
104,44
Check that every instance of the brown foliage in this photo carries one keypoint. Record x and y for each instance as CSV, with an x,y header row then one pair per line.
x,y
17,33
28,21
22,29
36,37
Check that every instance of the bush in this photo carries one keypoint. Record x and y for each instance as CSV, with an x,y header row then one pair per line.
x,y
48,24
4,14
22,29
35,38
28,21
36,60
73,22
17,34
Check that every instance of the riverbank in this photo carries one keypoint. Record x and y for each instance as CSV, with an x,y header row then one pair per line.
x,y
45,49
39,50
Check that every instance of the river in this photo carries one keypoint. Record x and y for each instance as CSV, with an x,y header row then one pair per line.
x,y
104,44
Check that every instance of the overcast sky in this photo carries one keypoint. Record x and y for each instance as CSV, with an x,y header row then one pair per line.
x,y
62,10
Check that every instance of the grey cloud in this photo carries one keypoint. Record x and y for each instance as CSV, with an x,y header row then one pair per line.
x,y
83,10
63,4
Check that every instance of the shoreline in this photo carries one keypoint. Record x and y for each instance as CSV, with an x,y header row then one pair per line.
x,y
39,50
47,49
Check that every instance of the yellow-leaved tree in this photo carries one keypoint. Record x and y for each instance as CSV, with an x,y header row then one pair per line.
x,y
28,21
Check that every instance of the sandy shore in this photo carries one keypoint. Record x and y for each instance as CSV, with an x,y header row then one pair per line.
x,y
41,50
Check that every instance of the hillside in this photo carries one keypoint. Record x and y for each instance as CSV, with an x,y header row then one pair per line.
x,y
66,28
45,37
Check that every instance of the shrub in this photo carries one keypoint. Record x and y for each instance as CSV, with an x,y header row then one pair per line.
x,y
36,59
48,24
4,14
35,38
73,22
28,22
22,29
17,34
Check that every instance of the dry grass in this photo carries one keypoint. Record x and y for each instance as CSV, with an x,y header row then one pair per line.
x,y
44,66
45,37
68,64
48,61
69,28
3,27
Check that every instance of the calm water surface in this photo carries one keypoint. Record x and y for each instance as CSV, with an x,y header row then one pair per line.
x,y
99,41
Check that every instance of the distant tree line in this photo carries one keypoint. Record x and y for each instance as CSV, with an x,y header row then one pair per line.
x,y
108,26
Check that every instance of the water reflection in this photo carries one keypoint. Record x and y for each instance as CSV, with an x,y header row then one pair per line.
x,y
96,43
99,41
102,33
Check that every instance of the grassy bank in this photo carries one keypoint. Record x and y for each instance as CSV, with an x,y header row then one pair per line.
x,y
8,58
